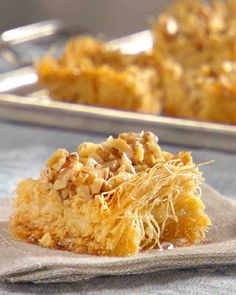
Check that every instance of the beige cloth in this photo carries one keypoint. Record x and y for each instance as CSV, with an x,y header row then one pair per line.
x,y
22,262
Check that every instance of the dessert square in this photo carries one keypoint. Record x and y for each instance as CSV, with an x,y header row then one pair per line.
x,y
193,32
207,93
115,198
90,73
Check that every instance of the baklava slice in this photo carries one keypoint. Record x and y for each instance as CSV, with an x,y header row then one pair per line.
x,y
193,32
207,93
91,73
118,197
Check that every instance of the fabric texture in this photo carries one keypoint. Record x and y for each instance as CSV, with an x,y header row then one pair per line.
x,y
22,262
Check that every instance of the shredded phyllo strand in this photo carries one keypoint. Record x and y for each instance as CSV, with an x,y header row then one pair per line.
x,y
102,206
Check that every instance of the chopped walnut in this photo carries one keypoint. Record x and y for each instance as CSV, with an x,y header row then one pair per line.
x,y
46,241
57,160
97,168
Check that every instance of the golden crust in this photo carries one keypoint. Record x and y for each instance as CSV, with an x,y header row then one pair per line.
x,y
119,197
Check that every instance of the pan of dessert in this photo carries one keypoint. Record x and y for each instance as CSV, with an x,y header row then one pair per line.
x,y
177,79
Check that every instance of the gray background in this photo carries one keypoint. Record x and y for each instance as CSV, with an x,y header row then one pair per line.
x,y
112,18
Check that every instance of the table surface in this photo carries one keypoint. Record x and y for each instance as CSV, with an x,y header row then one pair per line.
x,y
23,151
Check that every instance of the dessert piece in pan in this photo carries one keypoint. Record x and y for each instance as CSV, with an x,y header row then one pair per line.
x,y
90,73
196,48
195,32
207,93
118,197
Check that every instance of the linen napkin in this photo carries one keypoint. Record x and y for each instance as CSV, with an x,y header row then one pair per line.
x,y
22,262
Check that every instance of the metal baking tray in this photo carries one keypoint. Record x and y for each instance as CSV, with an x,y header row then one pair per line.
x,y
22,100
